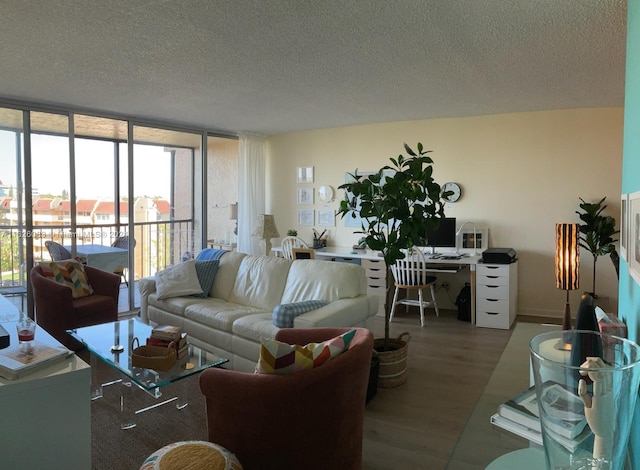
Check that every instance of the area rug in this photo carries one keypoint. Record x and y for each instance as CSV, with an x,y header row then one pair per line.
x,y
117,449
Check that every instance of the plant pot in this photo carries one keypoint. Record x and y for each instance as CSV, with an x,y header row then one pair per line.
x,y
393,361
372,387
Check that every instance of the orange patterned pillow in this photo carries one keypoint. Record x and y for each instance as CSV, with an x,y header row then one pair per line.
x,y
281,358
70,273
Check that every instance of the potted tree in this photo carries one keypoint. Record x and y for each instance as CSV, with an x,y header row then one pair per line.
x,y
596,232
396,206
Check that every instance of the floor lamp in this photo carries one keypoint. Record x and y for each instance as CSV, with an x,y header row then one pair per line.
x,y
567,261
266,230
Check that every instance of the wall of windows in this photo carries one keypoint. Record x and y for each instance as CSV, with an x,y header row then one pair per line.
x,y
82,179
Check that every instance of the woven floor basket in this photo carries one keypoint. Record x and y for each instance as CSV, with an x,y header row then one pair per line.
x,y
393,363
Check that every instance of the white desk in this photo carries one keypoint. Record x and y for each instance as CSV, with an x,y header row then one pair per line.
x,y
107,258
46,415
467,261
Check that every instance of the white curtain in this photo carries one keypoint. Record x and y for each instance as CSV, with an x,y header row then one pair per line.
x,y
251,190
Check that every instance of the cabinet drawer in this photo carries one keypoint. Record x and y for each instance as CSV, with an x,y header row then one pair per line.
x,y
493,320
373,264
492,280
345,259
376,281
492,306
376,290
492,291
493,270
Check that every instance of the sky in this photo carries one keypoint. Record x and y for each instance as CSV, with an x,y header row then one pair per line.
x,y
94,167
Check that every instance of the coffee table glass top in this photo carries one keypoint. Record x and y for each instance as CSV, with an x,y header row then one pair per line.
x,y
100,339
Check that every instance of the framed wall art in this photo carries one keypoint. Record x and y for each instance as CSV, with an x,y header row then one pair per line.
x,y
305,195
633,239
305,217
326,218
305,174
624,225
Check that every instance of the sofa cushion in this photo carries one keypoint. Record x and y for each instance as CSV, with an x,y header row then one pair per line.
x,y
325,280
70,273
226,275
218,313
178,280
260,282
206,271
281,358
284,314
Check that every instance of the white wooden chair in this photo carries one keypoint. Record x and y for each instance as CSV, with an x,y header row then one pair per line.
x,y
410,273
289,243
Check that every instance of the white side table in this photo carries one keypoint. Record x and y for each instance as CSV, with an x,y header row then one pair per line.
x,y
522,459
46,415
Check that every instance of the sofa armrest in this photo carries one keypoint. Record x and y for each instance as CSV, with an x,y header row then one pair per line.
x,y
341,313
146,287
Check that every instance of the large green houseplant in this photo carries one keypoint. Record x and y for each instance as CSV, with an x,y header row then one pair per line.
x,y
396,206
596,232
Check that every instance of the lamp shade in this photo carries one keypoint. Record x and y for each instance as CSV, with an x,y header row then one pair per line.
x,y
266,227
233,211
567,257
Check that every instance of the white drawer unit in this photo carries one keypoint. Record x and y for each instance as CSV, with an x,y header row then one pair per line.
x,y
376,272
496,295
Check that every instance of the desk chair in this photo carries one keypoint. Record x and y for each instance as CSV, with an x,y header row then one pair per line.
x,y
410,273
289,243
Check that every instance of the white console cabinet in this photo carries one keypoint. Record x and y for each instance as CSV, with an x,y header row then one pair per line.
x,y
496,295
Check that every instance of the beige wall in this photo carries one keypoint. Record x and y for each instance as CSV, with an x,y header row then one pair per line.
x,y
520,174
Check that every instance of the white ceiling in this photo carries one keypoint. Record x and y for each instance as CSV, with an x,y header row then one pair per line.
x,y
277,66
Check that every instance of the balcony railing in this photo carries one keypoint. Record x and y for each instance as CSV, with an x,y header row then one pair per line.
x,y
157,245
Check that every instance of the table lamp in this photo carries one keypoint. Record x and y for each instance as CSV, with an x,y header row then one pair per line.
x,y
233,215
266,230
567,261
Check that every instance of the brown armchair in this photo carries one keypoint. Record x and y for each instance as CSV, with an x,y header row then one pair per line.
x,y
312,419
57,311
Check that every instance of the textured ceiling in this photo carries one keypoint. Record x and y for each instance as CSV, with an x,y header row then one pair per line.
x,y
276,66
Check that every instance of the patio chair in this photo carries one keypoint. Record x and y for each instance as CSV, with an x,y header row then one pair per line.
x,y
57,251
123,242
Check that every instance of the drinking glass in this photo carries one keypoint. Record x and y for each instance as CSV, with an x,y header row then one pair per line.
x,y
585,404
26,329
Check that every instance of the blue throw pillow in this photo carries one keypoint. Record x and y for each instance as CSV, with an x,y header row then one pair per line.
x,y
284,314
206,271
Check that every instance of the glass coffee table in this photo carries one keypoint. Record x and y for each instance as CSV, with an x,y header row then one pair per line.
x,y
111,343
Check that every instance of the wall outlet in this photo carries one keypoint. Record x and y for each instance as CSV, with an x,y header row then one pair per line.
x,y
445,285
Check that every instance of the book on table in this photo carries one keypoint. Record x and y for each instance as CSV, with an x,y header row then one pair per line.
x,y
20,360
536,436
169,332
565,410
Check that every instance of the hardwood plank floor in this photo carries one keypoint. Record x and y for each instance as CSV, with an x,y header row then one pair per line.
x,y
417,425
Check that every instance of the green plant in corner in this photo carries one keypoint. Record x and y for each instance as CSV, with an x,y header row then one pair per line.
x,y
396,206
596,232
292,233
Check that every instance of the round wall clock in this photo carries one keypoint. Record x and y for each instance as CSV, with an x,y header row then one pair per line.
x,y
453,187
325,193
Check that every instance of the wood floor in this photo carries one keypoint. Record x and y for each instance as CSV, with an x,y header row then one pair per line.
x,y
417,425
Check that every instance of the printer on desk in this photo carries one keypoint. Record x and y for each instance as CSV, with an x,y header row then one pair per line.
x,y
499,255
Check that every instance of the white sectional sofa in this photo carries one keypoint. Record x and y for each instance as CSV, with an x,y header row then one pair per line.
x,y
237,315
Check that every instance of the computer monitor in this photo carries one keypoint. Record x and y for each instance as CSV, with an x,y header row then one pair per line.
x,y
444,236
